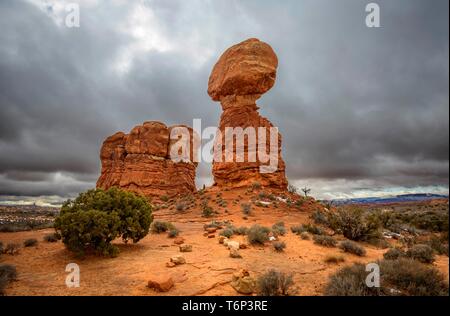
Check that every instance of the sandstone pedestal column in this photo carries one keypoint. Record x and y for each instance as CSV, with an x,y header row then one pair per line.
x,y
241,75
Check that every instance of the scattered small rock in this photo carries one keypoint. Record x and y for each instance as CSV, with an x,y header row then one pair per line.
x,y
170,264
243,245
234,253
243,283
186,248
232,244
178,259
178,240
222,239
211,230
211,236
161,283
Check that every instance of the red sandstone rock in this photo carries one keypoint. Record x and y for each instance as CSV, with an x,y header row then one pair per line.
x,y
178,240
244,69
140,162
242,74
161,283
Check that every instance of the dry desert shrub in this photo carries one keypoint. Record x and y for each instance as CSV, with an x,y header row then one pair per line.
x,y
159,227
439,244
326,241
227,232
51,238
398,277
246,208
354,223
394,254
12,248
278,229
258,234
334,259
274,283
422,253
8,273
352,247
30,242
312,229
279,246
174,232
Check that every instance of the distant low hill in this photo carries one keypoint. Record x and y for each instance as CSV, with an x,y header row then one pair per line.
x,y
392,199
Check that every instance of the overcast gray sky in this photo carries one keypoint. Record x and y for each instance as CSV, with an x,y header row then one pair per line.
x,y
362,111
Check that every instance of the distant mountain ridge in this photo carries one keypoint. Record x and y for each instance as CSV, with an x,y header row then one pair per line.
x,y
392,199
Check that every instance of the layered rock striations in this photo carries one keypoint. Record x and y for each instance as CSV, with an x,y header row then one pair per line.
x,y
141,161
241,75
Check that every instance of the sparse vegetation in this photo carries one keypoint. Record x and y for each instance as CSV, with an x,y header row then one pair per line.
x,y
207,210
241,230
258,234
323,240
352,247
174,232
246,208
25,225
432,220
8,273
398,277
97,217
30,242
320,217
181,206
164,198
422,253
279,245
350,281
274,283
334,259
51,237
256,186
440,245
227,232
393,254
307,228
306,191
278,229
304,236
292,189
354,223
299,203
213,224
159,227
12,248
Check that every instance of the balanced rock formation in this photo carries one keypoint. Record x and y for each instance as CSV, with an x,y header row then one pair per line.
x,y
143,161
241,75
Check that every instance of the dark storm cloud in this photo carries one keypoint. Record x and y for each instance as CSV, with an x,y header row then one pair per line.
x,y
352,103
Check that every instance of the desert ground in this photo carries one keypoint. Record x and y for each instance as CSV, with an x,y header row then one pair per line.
x,y
208,269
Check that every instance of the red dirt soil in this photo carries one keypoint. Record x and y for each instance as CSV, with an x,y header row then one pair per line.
x,y
208,269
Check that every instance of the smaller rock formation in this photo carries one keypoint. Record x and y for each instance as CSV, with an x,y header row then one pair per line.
x,y
243,283
143,161
186,248
234,253
161,283
177,260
